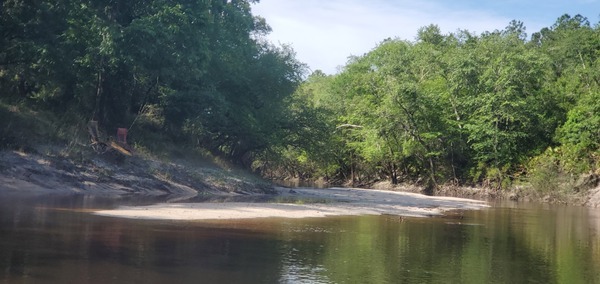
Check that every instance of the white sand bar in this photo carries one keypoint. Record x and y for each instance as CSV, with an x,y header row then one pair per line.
x,y
332,202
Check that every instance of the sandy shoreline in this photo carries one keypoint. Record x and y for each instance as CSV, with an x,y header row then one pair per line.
x,y
27,173
327,202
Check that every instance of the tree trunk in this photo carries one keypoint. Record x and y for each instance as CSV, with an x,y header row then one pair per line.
x,y
394,173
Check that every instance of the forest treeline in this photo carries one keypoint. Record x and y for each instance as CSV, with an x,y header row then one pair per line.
x,y
195,72
459,108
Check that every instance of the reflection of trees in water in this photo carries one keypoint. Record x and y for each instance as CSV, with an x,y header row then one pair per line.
x,y
545,244
68,247
508,246
189,252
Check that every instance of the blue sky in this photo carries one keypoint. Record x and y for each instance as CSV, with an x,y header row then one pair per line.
x,y
325,32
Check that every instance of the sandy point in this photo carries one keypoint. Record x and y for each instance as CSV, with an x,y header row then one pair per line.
x,y
332,202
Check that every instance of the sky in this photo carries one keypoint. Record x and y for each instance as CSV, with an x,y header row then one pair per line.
x,y
324,33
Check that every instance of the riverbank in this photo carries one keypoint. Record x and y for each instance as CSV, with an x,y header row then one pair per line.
x,y
113,175
185,181
579,194
110,175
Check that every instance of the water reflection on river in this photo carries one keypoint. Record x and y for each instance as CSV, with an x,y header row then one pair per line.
x,y
56,240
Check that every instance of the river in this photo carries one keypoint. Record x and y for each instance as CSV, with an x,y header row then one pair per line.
x,y
46,239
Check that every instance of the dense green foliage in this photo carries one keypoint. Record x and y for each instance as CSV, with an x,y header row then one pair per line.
x,y
460,108
195,72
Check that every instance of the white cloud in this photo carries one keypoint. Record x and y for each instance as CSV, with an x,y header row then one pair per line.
x,y
325,33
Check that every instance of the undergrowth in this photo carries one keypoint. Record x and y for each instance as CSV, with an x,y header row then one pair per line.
x,y
67,137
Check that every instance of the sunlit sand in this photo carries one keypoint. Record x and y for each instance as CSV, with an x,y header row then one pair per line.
x,y
332,202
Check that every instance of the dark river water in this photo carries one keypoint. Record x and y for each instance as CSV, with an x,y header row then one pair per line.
x,y
57,240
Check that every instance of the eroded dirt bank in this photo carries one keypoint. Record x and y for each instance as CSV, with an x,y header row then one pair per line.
x,y
114,175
